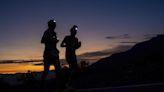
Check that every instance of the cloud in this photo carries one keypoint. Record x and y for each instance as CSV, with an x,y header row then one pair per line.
x,y
38,64
129,42
124,36
95,55
18,61
118,49
149,36
111,37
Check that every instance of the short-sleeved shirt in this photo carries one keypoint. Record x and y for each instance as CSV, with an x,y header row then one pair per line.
x,y
50,40
71,44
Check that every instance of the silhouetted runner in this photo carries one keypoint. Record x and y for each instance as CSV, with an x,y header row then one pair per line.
x,y
51,53
71,43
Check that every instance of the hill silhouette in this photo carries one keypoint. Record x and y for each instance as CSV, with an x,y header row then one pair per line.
x,y
143,63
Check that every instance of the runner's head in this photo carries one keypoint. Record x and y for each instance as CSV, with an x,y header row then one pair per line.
x,y
52,23
74,30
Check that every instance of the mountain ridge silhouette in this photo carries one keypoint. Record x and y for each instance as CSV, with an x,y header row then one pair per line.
x,y
143,63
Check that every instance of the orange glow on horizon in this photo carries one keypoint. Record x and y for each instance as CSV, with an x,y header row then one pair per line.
x,y
31,54
20,68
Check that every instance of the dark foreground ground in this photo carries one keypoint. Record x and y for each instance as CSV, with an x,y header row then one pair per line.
x,y
50,86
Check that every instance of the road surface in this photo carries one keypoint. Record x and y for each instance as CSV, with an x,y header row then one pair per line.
x,y
154,87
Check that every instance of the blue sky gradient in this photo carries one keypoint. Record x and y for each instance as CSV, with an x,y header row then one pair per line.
x,y
22,23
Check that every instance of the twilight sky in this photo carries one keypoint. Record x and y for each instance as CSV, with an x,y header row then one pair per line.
x,y
103,24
